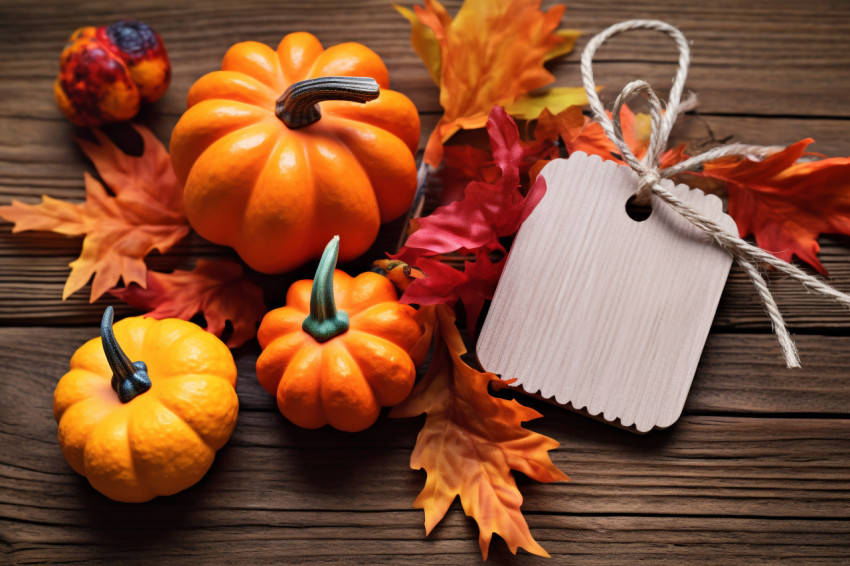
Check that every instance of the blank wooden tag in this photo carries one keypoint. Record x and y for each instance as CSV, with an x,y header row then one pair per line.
x,y
601,312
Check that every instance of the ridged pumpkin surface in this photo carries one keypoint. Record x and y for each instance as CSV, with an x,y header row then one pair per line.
x,y
346,380
277,194
164,440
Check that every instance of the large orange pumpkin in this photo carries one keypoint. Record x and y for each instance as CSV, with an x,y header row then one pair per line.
x,y
274,175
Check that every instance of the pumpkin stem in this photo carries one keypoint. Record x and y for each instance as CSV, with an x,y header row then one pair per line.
x,y
298,106
128,379
325,321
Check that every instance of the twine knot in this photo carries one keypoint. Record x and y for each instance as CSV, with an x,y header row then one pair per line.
x,y
650,175
647,178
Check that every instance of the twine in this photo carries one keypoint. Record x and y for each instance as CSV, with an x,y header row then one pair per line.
x,y
650,175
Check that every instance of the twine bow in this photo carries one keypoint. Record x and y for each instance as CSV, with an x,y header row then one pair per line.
x,y
650,175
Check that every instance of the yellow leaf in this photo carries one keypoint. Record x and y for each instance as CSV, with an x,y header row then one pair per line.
x,y
556,99
424,43
569,37
491,53
470,443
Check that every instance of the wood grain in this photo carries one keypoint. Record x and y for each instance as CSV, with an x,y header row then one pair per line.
x,y
755,471
617,326
277,489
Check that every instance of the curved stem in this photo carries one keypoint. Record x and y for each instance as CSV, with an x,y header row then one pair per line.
x,y
129,379
298,106
325,321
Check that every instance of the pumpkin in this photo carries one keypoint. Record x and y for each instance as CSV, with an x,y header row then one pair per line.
x,y
106,72
275,176
150,427
338,365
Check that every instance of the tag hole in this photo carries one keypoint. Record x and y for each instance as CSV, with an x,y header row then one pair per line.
x,y
637,212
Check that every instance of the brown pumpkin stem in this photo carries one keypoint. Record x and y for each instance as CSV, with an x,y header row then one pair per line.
x,y
298,106
129,379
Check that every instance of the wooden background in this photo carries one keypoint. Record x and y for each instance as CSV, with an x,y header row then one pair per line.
x,y
757,470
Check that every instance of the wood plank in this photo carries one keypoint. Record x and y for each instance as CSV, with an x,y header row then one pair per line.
x,y
705,466
389,538
293,537
738,373
743,55
33,269
782,474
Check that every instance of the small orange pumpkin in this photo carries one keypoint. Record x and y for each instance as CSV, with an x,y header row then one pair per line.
x,y
275,176
338,367
140,429
105,73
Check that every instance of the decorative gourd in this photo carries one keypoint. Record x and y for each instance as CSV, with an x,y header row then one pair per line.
x,y
275,176
105,73
338,367
146,428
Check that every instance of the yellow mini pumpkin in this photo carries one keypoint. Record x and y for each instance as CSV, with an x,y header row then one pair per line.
x,y
150,427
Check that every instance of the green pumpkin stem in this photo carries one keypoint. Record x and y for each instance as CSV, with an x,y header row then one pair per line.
x,y
325,321
298,105
129,379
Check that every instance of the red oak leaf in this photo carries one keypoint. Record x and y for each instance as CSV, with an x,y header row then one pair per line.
x,y
786,205
218,289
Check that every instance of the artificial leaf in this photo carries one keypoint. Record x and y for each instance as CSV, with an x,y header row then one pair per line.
x,y
424,42
786,205
463,164
145,214
580,133
470,443
446,285
488,211
555,99
569,38
218,289
491,53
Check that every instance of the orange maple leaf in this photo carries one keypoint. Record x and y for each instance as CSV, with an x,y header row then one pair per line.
x,y
491,53
470,443
580,133
145,214
786,205
218,289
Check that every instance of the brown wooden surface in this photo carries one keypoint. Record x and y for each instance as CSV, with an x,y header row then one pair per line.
x,y
757,470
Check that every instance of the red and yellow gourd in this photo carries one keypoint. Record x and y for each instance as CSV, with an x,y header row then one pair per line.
x,y
106,72
282,149
139,429
338,351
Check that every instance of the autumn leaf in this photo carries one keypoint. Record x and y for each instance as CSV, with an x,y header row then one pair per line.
x,y
218,289
491,53
555,99
488,211
470,443
446,285
145,214
580,133
786,205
